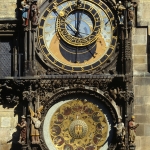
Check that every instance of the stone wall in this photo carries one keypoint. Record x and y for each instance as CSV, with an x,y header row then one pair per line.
x,y
7,128
8,9
141,78
141,75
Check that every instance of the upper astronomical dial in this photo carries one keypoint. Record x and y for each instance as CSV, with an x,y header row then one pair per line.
x,y
77,39
70,25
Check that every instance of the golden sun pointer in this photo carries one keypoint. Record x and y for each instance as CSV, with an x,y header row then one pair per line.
x,y
61,13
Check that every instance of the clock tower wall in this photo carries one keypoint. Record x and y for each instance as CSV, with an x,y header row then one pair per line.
x,y
38,68
141,75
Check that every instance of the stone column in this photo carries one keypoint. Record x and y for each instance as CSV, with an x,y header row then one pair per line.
x,y
15,62
29,96
25,50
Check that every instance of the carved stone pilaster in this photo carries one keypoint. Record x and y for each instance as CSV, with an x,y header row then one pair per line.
x,y
132,147
30,23
24,147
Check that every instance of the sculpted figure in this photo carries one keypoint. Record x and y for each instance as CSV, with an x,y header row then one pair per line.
x,y
34,13
23,128
131,7
25,12
120,132
35,124
114,92
120,9
132,130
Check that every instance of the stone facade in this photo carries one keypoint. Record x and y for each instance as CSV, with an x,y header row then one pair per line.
x,y
8,9
141,78
8,123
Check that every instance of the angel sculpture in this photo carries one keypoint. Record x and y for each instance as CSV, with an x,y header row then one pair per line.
x,y
35,124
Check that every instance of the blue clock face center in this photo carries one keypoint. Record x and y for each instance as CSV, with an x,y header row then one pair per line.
x,y
81,24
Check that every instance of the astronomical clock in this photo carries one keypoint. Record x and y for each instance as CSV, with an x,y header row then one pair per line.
x,y
72,83
77,36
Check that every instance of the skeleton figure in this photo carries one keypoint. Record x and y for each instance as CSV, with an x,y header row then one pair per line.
x,y
120,9
35,124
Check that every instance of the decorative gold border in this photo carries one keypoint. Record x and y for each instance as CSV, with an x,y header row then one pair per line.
x,y
78,123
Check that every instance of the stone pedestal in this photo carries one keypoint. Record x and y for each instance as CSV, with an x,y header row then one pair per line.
x,y
120,147
24,147
35,146
132,147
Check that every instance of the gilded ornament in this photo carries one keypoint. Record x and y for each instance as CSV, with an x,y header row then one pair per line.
x,y
78,125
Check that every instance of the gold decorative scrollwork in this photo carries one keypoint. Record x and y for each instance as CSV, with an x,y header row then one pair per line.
x,y
78,125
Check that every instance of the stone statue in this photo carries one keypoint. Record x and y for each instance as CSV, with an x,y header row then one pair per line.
x,y
23,127
113,93
120,132
35,124
34,13
120,9
25,12
131,7
132,130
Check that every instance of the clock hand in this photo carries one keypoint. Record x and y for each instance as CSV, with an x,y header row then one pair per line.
x,y
106,22
77,22
71,26
88,48
80,32
90,52
80,20
62,16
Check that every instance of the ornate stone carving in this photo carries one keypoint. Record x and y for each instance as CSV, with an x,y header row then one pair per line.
x,y
25,12
34,13
8,26
30,12
119,94
7,93
120,8
57,96
131,12
51,90
29,95
120,133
